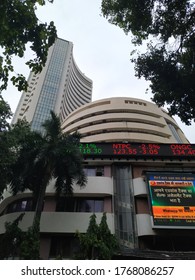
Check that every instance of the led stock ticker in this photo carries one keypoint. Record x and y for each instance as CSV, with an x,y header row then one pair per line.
x,y
141,150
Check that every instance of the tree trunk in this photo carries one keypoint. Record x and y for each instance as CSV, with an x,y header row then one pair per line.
x,y
41,196
39,205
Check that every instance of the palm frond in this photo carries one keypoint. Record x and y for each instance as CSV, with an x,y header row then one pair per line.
x,y
52,127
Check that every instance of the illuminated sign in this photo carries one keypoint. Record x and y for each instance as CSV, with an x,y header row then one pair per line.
x,y
137,150
172,199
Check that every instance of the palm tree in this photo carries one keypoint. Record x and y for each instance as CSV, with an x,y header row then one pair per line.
x,y
42,157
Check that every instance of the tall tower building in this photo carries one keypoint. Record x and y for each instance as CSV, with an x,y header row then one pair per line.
x,y
60,87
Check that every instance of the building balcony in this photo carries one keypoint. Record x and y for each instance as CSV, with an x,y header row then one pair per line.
x,y
57,222
96,185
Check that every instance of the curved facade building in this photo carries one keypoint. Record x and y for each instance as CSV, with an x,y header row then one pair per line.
x,y
78,91
123,119
60,87
147,166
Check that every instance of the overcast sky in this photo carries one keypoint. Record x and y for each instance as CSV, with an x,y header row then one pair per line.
x,y
101,51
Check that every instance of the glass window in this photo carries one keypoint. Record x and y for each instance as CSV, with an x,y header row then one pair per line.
x,y
98,205
99,171
94,171
66,204
175,133
90,205
79,204
90,171
85,205
20,206
23,205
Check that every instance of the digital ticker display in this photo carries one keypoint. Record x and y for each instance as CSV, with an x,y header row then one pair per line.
x,y
172,199
135,150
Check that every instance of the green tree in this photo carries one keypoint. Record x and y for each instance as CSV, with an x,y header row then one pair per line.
x,y
43,157
20,26
5,115
109,244
15,243
30,244
89,242
11,139
169,61
97,242
10,241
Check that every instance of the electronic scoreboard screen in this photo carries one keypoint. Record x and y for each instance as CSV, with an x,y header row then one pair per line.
x,y
134,150
172,199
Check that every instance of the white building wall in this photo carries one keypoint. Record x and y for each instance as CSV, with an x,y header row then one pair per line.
x,y
122,119
57,222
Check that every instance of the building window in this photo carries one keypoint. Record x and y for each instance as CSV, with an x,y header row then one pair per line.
x,y
175,133
80,204
99,171
135,102
65,204
90,205
19,206
94,171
